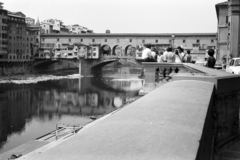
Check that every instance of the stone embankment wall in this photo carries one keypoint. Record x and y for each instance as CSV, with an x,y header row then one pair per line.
x,y
7,69
15,68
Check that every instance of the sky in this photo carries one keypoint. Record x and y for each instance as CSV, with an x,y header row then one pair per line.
x,y
125,16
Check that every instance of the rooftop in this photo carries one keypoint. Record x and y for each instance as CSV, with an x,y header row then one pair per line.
x,y
222,3
133,35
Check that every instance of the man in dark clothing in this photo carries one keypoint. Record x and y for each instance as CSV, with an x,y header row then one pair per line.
x,y
211,60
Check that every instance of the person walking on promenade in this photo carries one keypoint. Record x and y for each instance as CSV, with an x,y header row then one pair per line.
x,y
169,56
188,57
211,60
177,56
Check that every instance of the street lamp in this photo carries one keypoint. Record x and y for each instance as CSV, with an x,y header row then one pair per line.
x,y
173,38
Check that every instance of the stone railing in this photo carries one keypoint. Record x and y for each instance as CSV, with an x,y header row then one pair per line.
x,y
226,101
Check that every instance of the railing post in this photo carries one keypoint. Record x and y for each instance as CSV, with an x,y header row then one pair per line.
x,y
56,131
80,67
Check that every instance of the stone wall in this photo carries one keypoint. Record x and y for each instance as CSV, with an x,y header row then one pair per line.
x,y
226,117
226,101
15,68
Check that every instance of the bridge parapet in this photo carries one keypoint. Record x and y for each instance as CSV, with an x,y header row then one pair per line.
x,y
226,101
117,57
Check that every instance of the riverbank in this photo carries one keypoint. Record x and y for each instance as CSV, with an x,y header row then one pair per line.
x,y
34,78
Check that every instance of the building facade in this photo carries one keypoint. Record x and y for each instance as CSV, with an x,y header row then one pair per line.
x,y
111,44
23,37
17,36
222,29
33,40
53,26
30,20
234,28
3,33
228,14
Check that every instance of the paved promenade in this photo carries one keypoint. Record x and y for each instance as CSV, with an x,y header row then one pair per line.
x,y
164,124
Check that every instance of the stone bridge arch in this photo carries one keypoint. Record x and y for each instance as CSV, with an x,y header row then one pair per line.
x,y
117,50
106,49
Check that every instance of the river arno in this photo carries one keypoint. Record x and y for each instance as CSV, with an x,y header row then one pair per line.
x,y
28,111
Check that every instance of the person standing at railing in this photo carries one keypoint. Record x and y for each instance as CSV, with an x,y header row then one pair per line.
x,y
146,51
169,56
182,54
147,54
177,56
211,60
188,57
153,54
160,58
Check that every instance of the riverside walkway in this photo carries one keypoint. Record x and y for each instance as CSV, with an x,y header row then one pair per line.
x,y
167,123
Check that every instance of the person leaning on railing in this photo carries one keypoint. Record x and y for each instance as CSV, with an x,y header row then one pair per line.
x,y
211,60
188,57
160,58
169,56
177,56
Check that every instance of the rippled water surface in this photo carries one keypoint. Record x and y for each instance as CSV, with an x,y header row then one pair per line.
x,y
30,110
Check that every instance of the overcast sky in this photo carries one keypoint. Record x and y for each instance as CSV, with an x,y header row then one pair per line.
x,y
125,16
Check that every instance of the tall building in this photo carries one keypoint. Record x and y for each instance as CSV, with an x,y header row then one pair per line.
x,y
222,29
228,14
3,33
23,37
33,38
17,36
234,27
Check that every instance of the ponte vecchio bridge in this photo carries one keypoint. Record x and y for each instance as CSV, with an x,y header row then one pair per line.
x,y
106,48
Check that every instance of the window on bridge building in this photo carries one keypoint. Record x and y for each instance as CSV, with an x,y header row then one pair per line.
x,y
130,40
198,41
156,40
183,41
170,41
143,41
105,40
212,40
93,40
69,40
118,41
81,40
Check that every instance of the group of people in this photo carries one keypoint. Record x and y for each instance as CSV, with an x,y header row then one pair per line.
x,y
150,54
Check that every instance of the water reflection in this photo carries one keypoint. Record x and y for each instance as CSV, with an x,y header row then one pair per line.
x,y
28,111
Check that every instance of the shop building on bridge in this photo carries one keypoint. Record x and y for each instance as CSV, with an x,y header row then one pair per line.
x,y
124,43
